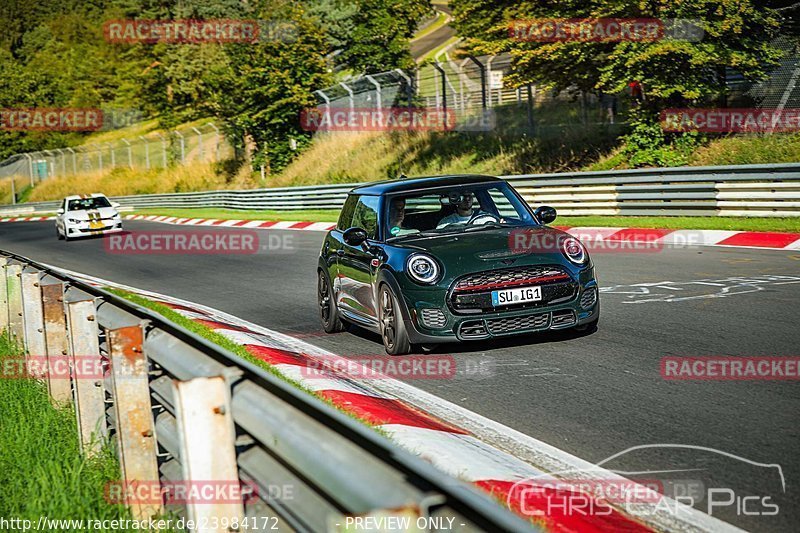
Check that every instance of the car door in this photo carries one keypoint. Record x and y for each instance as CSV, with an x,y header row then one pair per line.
x,y
355,264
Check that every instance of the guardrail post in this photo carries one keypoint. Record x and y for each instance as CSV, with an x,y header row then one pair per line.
x,y
134,418
207,435
84,344
33,318
3,295
55,332
14,291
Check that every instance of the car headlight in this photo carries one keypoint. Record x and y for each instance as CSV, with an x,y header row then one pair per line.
x,y
422,268
574,251
74,220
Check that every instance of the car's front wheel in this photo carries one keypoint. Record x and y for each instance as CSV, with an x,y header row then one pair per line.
x,y
58,234
328,314
393,328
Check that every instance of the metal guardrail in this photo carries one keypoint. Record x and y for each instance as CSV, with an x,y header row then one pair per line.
x,y
743,190
181,409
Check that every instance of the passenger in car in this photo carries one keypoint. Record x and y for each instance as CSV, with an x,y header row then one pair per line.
x,y
463,213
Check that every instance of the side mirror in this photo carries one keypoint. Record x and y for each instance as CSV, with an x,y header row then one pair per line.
x,y
60,211
115,204
355,236
545,214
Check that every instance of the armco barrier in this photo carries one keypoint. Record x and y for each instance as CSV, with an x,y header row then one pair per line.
x,y
183,410
743,190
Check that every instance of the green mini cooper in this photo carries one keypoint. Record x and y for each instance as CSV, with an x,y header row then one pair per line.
x,y
451,258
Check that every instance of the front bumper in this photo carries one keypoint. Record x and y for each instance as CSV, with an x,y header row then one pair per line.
x,y
85,230
430,320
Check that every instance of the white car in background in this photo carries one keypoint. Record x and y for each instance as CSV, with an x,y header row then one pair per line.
x,y
83,215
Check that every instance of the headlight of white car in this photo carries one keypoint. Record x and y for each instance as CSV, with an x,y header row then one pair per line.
x,y
73,221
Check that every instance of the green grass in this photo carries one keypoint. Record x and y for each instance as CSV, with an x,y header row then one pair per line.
x,y
41,470
791,225
311,215
224,342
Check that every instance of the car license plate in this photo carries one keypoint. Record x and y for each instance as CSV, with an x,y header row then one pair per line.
x,y
516,296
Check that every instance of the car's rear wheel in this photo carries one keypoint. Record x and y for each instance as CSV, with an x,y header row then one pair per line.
x,y
393,328
328,313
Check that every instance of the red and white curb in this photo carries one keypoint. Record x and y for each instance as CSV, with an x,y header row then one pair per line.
x,y
598,235
462,443
25,219
226,223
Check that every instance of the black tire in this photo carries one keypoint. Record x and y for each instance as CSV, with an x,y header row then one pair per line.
x,y
58,234
326,302
393,328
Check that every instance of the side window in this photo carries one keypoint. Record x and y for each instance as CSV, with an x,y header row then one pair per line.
x,y
346,216
366,215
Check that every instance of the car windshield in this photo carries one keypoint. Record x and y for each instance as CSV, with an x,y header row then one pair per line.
x,y
464,208
95,202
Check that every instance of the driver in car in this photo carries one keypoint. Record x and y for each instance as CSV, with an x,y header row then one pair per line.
x,y
463,212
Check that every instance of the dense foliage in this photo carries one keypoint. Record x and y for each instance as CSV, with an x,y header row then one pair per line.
x,y
54,53
671,72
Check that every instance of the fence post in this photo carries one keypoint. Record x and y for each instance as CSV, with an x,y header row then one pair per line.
x,y
183,146
74,161
134,419
113,155
130,152
207,435
146,152
55,333
14,288
3,295
199,143
216,140
88,390
409,86
439,68
33,317
350,93
482,69
163,148
377,85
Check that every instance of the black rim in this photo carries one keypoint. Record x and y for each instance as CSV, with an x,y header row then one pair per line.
x,y
324,299
387,319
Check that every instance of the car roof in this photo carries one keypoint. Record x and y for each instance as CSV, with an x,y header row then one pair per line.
x,y
415,184
82,196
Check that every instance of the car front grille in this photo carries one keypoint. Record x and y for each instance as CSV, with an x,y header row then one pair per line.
x,y
433,318
516,324
473,293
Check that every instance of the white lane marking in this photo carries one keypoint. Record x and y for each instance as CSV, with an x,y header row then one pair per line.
x,y
663,291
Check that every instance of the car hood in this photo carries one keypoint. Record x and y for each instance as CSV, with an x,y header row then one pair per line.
x,y
88,214
491,248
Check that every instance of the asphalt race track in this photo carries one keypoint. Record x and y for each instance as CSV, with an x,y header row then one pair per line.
x,y
593,395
